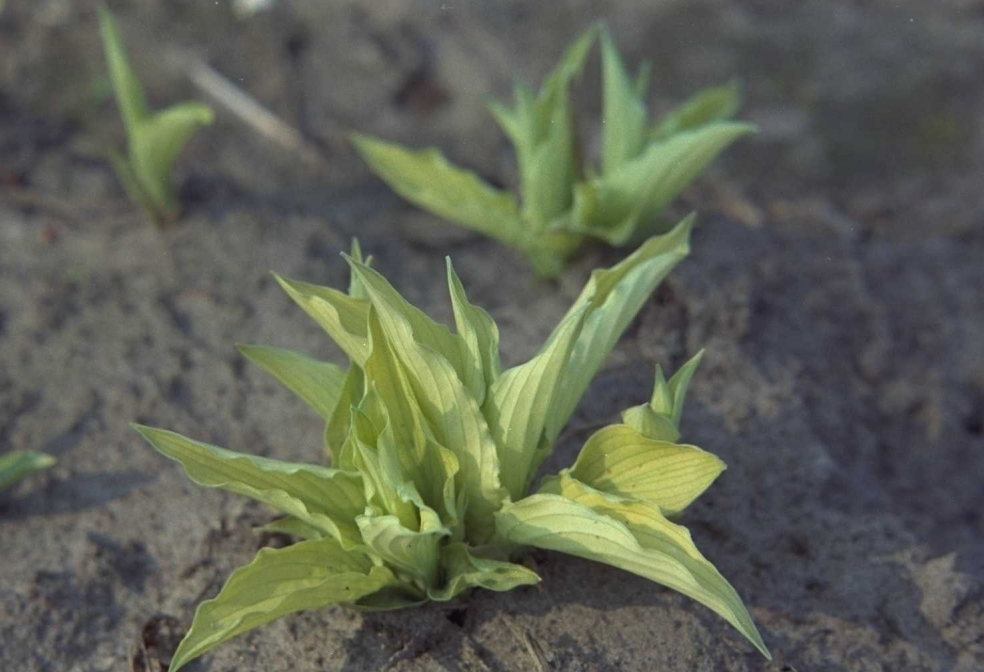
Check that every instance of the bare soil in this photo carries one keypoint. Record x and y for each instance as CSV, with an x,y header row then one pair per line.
x,y
836,282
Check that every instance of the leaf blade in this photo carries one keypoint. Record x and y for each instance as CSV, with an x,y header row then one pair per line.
x,y
319,384
324,498
426,179
633,536
308,575
620,461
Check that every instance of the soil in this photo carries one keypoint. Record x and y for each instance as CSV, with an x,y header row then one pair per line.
x,y
836,282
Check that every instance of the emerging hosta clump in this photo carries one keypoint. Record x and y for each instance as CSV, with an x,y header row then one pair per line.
x,y
154,139
643,166
433,449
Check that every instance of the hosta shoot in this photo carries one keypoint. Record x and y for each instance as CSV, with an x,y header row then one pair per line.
x,y
154,139
434,451
17,464
562,201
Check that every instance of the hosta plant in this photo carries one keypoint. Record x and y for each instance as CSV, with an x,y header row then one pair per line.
x,y
154,139
17,464
643,165
434,449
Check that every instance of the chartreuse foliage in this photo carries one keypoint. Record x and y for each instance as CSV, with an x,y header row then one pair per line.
x,y
17,464
154,139
643,165
433,450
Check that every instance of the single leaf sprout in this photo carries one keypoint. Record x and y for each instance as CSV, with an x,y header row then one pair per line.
x,y
154,139
17,464
434,449
561,202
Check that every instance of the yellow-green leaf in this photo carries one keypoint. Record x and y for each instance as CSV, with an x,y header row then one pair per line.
x,y
318,383
342,316
465,570
326,499
623,204
633,536
613,297
623,110
308,575
620,461
713,104
426,179
519,405
480,336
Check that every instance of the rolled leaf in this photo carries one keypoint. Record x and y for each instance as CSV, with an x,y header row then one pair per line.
x,y
412,551
435,391
156,142
623,110
480,335
308,575
316,382
465,570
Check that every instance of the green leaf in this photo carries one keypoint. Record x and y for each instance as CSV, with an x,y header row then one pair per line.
x,y
342,316
126,87
426,179
541,130
391,307
308,575
155,143
518,406
17,464
295,527
713,104
620,205
326,499
466,570
633,536
433,386
414,552
154,140
318,383
660,418
678,385
356,290
481,338
620,461
623,110
614,296
337,429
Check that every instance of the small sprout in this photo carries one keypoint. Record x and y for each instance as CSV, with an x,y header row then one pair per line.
x,y
154,139
561,202
17,464
434,449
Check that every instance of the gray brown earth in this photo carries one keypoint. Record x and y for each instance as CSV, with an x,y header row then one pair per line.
x,y
836,282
